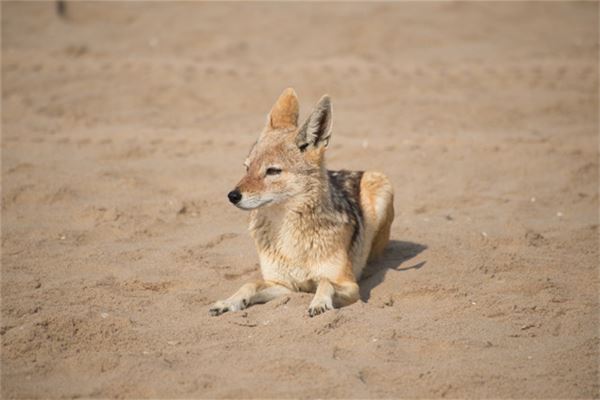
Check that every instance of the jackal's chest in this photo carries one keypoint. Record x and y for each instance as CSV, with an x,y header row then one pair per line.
x,y
286,255
275,268
298,251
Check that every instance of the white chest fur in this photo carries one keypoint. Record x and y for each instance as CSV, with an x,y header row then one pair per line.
x,y
297,247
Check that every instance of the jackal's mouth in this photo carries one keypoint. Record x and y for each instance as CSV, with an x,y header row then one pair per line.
x,y
252,203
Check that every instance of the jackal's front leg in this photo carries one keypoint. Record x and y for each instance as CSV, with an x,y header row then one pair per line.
x,y
329,294
250,293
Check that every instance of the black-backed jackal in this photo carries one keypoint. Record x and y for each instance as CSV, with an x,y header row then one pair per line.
x,y
314,229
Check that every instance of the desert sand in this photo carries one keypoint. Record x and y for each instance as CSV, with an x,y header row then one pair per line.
x,y
124,125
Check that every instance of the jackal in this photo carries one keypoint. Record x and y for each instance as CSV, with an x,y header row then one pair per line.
x,y
314,229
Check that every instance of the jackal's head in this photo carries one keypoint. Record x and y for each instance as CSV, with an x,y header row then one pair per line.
x,y
287,159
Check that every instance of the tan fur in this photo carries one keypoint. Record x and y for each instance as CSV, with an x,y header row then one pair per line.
x,y
308,238
377,196
285,110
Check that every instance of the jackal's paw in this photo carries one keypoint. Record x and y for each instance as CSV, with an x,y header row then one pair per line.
x,y
222,306
319,307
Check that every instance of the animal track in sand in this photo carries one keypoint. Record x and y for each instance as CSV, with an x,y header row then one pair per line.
x,y
196,254
219,239
20,167
232,276
436,291
18,195
334,323
136,285
63,193
192,301
191,208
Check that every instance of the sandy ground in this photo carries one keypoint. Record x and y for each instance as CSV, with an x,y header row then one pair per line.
x,y
125,125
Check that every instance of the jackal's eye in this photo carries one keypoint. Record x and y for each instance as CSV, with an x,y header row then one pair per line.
x,y
273,171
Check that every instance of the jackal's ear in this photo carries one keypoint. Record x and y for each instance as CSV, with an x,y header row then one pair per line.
x,y
317,128
284,113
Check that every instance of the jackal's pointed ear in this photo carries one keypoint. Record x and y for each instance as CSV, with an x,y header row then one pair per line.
x,y
284,113
317,128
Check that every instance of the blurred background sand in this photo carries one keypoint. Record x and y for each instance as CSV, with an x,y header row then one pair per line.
x,y
124,125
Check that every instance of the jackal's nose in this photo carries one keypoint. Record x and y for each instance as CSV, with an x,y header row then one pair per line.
x,y
234,196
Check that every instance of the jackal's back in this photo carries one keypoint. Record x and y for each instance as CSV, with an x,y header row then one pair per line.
x,y
344,187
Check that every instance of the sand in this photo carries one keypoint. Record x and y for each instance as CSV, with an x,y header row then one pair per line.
x,y
124,125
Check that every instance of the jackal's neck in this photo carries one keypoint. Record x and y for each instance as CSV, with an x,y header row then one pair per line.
x,y
316,197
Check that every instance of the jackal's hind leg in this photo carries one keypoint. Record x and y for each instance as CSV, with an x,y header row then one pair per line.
x,y
346,293
377,202
249,293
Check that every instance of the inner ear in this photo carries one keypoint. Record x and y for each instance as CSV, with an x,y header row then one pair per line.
x,y
316,130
